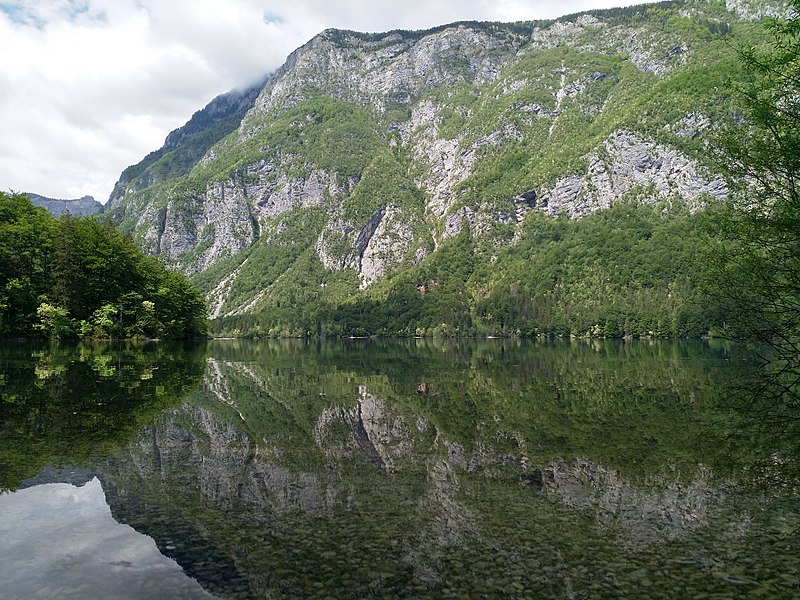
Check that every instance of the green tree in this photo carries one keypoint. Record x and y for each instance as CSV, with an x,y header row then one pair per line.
x,y
93,265
26,244
54,321
102,322
178,305
71,276
757,274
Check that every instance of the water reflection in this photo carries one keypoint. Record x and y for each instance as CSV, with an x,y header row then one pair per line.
x,y
60,541
433,469
63,404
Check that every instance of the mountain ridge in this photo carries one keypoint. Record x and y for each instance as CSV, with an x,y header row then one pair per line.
x,y
365,154
77,207
190,141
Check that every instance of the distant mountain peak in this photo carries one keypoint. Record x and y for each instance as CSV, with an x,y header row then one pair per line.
x,y
77,207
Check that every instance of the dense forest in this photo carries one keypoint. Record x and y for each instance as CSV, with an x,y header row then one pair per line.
x,y
633,270
79,277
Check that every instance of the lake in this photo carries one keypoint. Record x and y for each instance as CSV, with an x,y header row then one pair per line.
x,y
389,469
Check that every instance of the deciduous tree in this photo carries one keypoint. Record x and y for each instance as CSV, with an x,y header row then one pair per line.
x,y
757,275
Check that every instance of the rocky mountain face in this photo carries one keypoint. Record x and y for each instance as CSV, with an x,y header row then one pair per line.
x,y
186,145
77,207
365,154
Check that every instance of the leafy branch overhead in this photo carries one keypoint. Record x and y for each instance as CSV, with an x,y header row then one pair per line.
x,y
756,274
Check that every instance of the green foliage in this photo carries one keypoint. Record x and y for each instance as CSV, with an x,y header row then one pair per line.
x,y
548,109
385,179
92,265
73,276
179,307
321,132
630,271
27,236
103,321
430,299
54,321
755,280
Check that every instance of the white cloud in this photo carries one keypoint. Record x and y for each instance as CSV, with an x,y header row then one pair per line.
x,y
88,87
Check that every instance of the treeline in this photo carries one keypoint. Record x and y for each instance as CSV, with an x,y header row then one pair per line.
x,y
633,270
79,277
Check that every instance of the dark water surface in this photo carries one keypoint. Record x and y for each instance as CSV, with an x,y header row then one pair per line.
x,y
388,469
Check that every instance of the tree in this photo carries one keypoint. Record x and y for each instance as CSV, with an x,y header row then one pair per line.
x,y
80,276
54,321
26,244
757,274
93,264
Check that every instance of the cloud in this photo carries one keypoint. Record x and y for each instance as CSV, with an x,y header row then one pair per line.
x,y
88,87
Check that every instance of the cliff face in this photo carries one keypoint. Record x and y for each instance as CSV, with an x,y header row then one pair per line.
x,y
364,153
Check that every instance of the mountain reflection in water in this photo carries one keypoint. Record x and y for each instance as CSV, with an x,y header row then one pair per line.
x,y
431,469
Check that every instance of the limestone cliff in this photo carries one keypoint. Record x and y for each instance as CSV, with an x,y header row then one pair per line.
x,y
365,153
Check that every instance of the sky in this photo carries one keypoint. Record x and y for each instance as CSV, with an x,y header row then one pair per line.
x,y
88,87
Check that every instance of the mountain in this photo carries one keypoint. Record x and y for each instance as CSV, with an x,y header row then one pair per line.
x,y
78,207
533,177
186,145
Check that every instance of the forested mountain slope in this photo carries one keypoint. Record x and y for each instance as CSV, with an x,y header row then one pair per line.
x,y
538,177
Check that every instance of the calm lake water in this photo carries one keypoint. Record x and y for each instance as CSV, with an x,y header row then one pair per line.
x,y
389,469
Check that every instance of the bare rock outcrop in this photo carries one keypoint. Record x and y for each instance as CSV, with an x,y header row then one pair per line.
x,y
625,163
